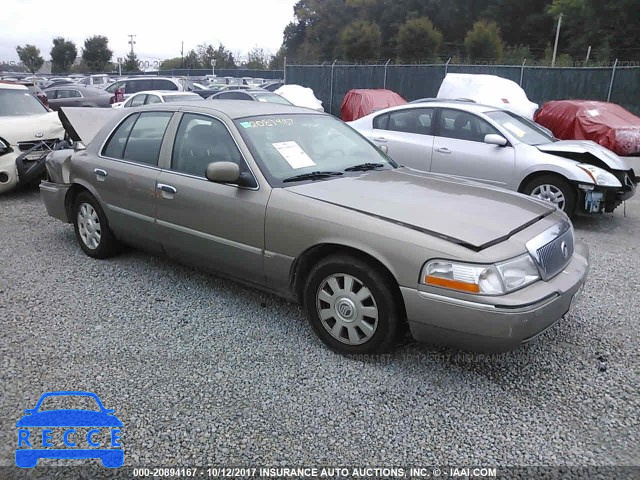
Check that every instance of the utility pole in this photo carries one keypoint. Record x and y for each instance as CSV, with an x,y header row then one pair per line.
x,y
132,42
555,47
182,55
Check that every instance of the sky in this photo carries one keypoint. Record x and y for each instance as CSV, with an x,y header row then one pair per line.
x,y
159,27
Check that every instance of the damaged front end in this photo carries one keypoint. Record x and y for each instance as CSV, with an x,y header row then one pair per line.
x,y
613,180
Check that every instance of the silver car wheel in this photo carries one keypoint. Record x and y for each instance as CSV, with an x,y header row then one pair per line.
x,y
347,309
89,226
550,193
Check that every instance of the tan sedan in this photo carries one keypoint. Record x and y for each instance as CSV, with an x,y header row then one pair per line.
x,y
297,203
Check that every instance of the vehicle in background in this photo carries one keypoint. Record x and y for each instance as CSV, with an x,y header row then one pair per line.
x,y
75,95
100,80
28,131
300,96
256,95
358,103
54,82
304,207
129,86
155,96
272,86
490,90
484,144
607,124
39,81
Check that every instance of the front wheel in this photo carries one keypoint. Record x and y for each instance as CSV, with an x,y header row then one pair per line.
x,y
91,227
351,306
553,189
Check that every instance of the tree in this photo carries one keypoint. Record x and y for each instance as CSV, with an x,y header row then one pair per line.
x,y
224,58
63,54
277,60
418,39
361,40
131,63
30,56
483,41
171,63
191,60
257,59
96,53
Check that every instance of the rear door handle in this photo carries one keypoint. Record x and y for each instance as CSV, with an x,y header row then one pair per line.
x,y
167,188
100,174
443,150
379,139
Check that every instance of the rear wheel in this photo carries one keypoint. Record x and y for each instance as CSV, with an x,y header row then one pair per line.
x,y
351,306
554,189
91,227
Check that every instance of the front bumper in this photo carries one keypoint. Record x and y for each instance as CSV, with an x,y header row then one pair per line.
x,y
8,172
500,326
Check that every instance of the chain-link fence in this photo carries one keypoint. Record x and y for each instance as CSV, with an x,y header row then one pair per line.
x,y
330,82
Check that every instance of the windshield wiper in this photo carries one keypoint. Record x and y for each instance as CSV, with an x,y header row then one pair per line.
x,y
317,175
363,167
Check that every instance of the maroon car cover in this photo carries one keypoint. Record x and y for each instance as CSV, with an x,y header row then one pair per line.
x,y
360,102
608,124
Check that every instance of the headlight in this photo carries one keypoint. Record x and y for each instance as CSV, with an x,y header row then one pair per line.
x,y
495,279
600,176
4,147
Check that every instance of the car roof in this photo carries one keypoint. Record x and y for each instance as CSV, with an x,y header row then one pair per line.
x,y
162,93
442,103
235,109
12,86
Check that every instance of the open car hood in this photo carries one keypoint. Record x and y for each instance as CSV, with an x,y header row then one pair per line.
x,y
585,151
83,123
467,213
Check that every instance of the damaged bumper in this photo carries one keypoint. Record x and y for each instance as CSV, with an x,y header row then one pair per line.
x,y
598,199
22,168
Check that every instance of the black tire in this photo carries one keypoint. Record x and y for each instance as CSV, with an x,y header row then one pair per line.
x,y
570,193
364,275
107,245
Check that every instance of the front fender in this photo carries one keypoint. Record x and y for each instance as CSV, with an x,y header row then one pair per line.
x,y
561,166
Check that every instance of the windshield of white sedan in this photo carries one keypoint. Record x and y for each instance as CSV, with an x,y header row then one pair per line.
x,y
321,146
19,102
520,128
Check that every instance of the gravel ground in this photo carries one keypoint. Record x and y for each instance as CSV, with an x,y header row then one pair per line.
x,y
203,371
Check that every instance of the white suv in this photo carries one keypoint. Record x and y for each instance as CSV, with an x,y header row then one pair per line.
x,y
28,130
142,84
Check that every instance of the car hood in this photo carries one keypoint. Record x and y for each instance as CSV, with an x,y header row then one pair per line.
x,y
69,418
83,123
28,128
584,151
467,213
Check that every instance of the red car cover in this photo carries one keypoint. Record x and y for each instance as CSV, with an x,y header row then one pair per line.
x,y
360,102
608,124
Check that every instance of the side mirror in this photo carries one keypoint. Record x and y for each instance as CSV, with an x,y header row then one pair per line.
x,y
493,139
223,172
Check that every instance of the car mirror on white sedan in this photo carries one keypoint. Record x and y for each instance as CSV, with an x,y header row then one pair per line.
x,y
493,139
223,172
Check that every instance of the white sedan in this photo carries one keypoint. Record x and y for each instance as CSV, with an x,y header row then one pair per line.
x,y
156,96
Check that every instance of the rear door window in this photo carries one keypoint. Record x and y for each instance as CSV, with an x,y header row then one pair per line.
x,y
115,145
145,139
163,84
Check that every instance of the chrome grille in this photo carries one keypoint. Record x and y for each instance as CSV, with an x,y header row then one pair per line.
x,y
42,145
552,249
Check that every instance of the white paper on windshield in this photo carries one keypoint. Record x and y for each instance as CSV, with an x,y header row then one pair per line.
x,y
593,113
514,129
293,154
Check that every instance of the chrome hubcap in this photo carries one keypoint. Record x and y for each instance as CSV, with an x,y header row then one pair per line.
x,y
89,226
550,193
347,309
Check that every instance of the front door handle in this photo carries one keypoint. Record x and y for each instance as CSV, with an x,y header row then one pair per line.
x,y
444,150
100,174
167,188
379,139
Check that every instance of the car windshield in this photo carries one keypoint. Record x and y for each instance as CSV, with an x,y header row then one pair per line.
x,y
271,98
289,145
521,128
65,402
19,102
180,98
